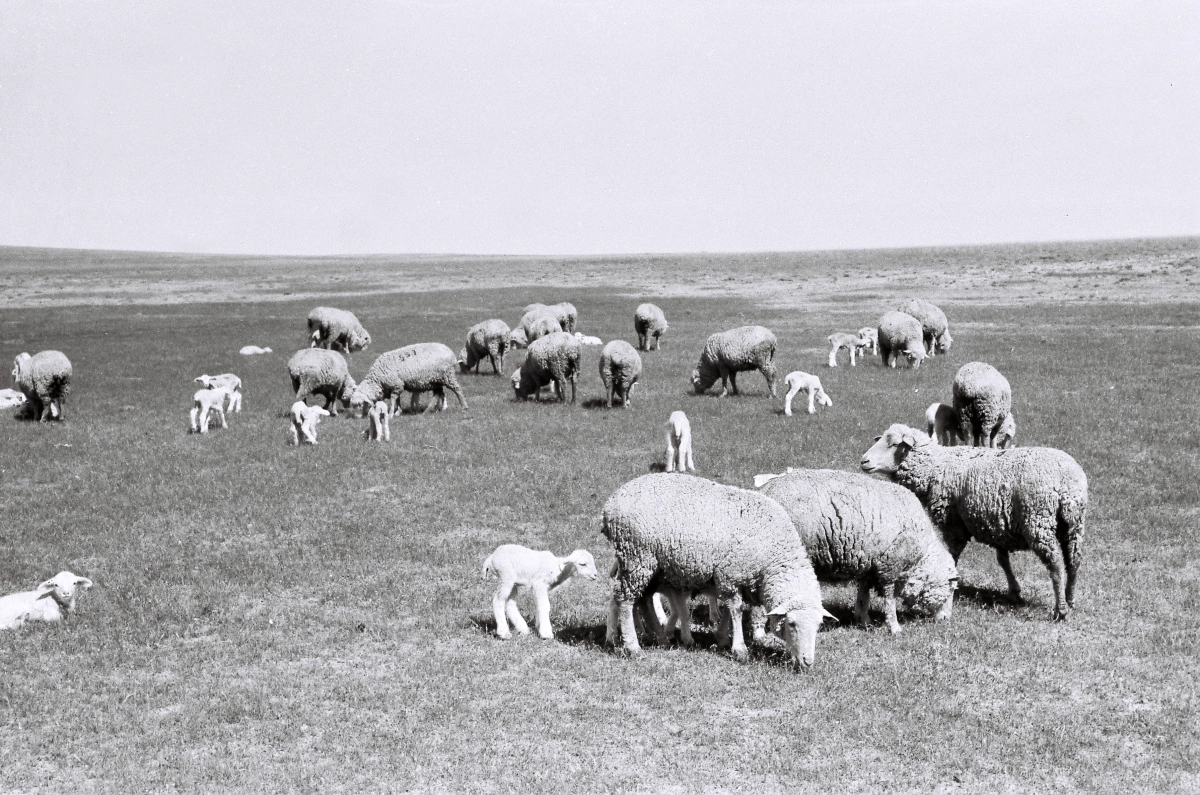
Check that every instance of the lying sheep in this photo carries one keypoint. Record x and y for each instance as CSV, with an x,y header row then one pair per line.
x,y
304,422
727,353
206,401
811,385
586,340
679,443
252,350
983,399
52,601
650,324
337,329
229,380
620,367
486,340
552,359
316,371
541,571
935,329
876,533
1025,498
10,398
45,380
871,335
900,334
539,322
854,343
424,367
379,428
941,425
688,534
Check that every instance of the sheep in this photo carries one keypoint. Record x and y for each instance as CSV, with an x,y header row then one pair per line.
x,y
337,329
679,443
52,601
935,329
620,366
983,399
811,385
1005,433
541,571
252,350
567,314
941,425
538,322
489,340
871,335
650,324
857,528
304,422
585,340
10,398
208,400
518,339
424,367
227,380
552,359
855,343
1024,498
727,353
316,371
900,333
690,534
45,380
379,428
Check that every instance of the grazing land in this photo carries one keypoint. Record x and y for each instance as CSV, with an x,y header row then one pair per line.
x,y
271,618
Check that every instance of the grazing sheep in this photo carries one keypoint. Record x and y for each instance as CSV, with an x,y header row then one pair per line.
x,y
252,350
518,339
1024,498
315,371
727,353
567,315
871,335
538,322
585,340
855,343
45,380
876,533
424,367
679,443
52,601
900,334
935,329
337,329
379,428
10,398
553,359
620,366
982,398
489,340
1005,433
690,534
208,400
225,380
541,571
650,324
304,422
941,424
810,384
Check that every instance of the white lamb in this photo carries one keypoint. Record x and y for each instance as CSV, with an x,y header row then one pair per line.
x,y
225,380
798,381
587,340
679,443
52,601
379,430
305,419
208,400
871,335
10,398
253,350
542,571
941,422
855,343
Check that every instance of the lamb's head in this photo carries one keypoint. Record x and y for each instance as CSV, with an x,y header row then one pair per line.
x,y
799,626
358,339
943,342
62,587
823,398
366,393
1005,433
890,449
583,564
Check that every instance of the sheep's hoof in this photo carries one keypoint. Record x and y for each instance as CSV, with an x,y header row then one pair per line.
x,y
1059,615
894,629
740,654
504,635
546,636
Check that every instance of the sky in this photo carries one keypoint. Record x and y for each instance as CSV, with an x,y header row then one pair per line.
x,y
567,127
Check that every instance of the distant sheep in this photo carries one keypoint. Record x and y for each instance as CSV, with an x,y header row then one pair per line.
x,y
337,329
45,380
679,443
322,373
304,422
650,324
983,399
620,368
935,329
727,353
586,340
379,429
803,382
423,367
229,380
486,340
542,572
10,398
539,322
854,343
206,401
253,350
52,601
900,335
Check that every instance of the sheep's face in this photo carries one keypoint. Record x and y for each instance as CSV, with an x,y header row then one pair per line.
x,y
799,628
516,384
696,382
822,398
585,565
890,450
1006,432
63,585
927,596
943,342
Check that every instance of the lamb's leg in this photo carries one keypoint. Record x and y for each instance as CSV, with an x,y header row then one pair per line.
x,y
295,435
687,453
220,407
833,357
670,451
862,605
387,429
787,400
541,593
852,350
1014,588
194,416
499,599
812,397
890,593
659,628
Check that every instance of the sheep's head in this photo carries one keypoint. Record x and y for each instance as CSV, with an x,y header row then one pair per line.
x,y
516,384
315,338
696,382
943,342
21,360
799,629
359,340
915,354
364,393
462,361
62,588
890,449
1005,433
347,390
518,339
585,565
823,398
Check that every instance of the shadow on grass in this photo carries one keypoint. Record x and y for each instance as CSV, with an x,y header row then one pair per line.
x,y
596,403
991,598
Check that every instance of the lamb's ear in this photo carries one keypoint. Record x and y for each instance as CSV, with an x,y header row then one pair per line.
x,y
779,611
84,581
47,586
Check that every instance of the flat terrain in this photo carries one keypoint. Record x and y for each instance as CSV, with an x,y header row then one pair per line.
x,y
267,618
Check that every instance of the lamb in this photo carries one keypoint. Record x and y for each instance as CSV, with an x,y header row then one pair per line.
x,y
252,350
727,353
52,601
337,329
871,335
416,368
900,334
935,329
620,367
552,359
688,534
541,571
10,398
586,340
379,428
316,371
855,343
941,425
650,324
799,381
1024,498
225,380
208,400
489,340
857,528
983,399
304,422
679,443
45,380
538,322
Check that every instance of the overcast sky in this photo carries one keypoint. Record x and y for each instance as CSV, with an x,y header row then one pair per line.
x,y
595,127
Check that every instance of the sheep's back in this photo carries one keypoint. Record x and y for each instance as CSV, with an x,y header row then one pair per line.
x,y
898,329
621,360
414,367
47,373
932,319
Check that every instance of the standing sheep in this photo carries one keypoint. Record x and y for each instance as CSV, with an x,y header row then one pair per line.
x,y
679,443
52,601
337,329
620,366
900,334
798,381
538,322
871,335
1025,498
690,534
935,329
206,401
416,368
983,399
727,353
650,324
304,422
225,380
486,340
855,343
542,572
45,380
315,371
379,428
552,359
857,528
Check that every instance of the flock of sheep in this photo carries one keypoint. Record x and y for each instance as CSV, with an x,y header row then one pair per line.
x,y
677,536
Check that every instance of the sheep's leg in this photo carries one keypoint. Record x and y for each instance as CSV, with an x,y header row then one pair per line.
x,y
833,357
295,435
946,609
862,605
500,600
541,593
683,616
457,390
787,400
733,381
1051,556
628,631
687,455
194,415
221,413
439,399
387,429
659,628
890,593
812,398
738,645
612,628
724,372
1014,587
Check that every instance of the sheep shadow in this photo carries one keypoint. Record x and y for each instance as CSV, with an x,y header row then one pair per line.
x,y
658,466
595,403
987,598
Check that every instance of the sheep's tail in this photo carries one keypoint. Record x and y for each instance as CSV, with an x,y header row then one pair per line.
x,y
1072,512
488,569
60,386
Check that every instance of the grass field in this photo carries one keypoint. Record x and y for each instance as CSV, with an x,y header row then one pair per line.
x,y
267,618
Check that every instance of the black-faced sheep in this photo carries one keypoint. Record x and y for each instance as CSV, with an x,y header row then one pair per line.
x,y
727,353
620,367
315,371
45,380
553,358
900,334
337,329
486,340
650,324
935,329
423,367
983,400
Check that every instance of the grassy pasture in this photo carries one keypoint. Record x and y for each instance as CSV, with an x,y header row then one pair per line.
x,y
267,618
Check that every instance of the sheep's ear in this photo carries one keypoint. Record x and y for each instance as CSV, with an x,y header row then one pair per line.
x,y
84,581
779,611
47,586
826,614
